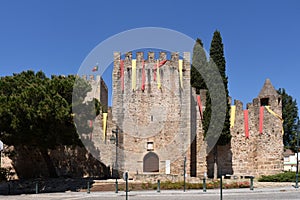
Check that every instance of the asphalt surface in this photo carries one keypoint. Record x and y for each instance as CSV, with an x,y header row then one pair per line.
x,y
282,193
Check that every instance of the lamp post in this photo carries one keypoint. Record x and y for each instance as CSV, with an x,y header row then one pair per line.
x,y
114,139
297,151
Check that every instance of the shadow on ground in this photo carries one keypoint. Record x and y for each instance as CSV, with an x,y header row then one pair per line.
x,y
32,186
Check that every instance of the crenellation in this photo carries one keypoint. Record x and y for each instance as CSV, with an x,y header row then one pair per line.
x,y
139,57
151,57
186,62
174,57
128,59
92,78
162,56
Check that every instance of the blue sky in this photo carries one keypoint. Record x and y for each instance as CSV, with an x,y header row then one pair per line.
x,y
261,38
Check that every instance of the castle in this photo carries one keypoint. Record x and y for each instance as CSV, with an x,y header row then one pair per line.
x,y
159,119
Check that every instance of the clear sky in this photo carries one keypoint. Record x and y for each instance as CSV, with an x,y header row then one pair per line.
x,y
261,38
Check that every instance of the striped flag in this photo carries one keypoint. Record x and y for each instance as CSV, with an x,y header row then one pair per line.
x,y
95,68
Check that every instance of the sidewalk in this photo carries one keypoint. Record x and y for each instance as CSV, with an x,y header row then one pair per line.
x,y
154,193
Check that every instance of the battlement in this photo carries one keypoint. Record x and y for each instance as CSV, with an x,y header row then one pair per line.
x,y
153,57
135,73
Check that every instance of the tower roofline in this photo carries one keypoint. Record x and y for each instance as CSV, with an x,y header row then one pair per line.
x,y
267,90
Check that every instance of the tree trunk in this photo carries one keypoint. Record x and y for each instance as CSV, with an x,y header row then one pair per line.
x,y
49,163
216,162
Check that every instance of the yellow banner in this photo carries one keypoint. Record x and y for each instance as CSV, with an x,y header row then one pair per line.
x,y
133,83
180,72
104,115
276,115
158,75
232,116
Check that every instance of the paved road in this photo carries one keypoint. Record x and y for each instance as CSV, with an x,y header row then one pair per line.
x,y
283,193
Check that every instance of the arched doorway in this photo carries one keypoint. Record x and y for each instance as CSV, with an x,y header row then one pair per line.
x,y
151,162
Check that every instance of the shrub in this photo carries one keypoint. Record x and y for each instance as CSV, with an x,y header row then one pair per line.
x,y
281,177
5,174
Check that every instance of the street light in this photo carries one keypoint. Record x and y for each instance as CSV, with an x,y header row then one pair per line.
x,y
297,151
114,139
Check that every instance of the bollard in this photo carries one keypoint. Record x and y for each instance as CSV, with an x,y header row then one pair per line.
x,y
36,187
117,186
204,185
221,188
184,171
88,187
251,182
158,185
126,180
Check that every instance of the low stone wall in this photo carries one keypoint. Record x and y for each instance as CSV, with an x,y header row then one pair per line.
x,y
73,162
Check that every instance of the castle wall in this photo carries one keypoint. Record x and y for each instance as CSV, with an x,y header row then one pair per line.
x,y
99,89
197,151
157,115
261,153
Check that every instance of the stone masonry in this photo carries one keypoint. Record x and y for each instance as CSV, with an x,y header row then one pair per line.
x,y
168,119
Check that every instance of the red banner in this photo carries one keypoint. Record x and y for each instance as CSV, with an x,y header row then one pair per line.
x,y
261,119
200,106
161,63
122,73
246,123
143,76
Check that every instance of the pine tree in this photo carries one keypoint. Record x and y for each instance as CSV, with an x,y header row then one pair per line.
x,y
217,56
289,115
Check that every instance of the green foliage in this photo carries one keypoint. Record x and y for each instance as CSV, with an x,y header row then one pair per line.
x,y
289,115
168,185
281,177
217,56
199,60
37,111
3,174
197,81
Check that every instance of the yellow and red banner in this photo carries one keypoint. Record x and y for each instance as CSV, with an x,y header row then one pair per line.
x,y
133,78
104,115
180,64
232,115
246,123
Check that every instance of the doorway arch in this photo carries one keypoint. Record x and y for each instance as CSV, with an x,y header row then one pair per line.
x,y
151,162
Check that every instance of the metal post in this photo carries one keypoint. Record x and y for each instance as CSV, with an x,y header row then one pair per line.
x,y
184,163
251,182
221,186
158,185
36,187
297,150
204,184
116,170
126,180
88,187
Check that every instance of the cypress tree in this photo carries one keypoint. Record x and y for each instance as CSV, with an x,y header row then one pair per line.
x,y
289,116
217,56
199,59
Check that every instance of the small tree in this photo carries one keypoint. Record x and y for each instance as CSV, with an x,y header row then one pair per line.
x,y
289,115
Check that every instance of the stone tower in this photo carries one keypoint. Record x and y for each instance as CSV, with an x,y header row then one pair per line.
x,y
151,107
258,151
